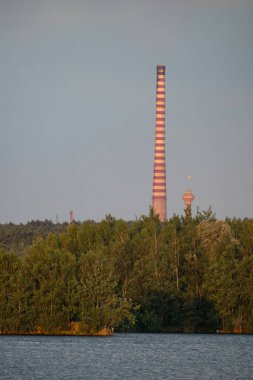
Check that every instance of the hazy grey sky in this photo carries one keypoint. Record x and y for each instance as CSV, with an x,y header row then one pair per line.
x,y
77,106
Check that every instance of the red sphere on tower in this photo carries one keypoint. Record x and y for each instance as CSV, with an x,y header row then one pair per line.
x,y
188,197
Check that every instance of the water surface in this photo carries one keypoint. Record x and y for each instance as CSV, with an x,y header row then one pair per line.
x,y
127,356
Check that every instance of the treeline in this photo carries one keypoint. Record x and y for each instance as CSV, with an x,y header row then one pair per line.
x,y
18,236
184,275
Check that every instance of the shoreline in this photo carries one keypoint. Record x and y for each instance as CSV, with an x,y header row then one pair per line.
x,y
106,334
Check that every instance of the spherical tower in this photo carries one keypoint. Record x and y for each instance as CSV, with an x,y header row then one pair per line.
x,y
188,197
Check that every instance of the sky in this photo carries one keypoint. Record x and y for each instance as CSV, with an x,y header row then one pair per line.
x,y
77,106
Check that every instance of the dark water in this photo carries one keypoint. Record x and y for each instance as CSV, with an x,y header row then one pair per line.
x,y
127,356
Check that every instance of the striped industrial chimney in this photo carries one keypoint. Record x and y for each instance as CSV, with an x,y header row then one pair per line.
x,y
159,202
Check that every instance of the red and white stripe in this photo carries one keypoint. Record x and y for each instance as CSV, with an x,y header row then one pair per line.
x,y
159,202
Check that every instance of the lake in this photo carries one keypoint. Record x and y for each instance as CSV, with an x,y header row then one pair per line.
x,y
127,356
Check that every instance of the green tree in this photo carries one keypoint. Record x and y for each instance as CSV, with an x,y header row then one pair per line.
x,y
51,273
100,307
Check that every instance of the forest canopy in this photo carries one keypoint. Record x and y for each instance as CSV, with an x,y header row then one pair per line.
x,y
183,275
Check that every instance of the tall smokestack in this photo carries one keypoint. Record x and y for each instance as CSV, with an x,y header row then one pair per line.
x,y
159,201
71,216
